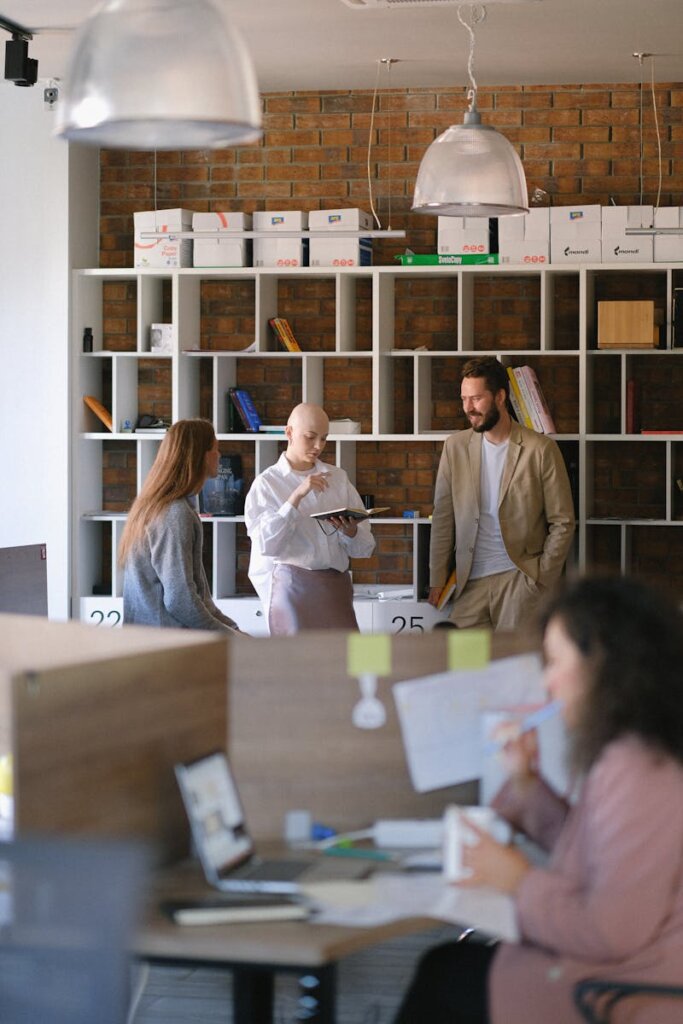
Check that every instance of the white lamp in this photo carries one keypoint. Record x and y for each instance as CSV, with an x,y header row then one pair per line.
x,y
159,74
471,170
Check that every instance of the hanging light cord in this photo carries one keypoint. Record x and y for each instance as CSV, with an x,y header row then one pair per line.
x,y
370,133
477,15
641,57
659,139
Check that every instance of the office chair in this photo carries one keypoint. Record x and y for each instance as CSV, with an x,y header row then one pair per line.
x,y
595,998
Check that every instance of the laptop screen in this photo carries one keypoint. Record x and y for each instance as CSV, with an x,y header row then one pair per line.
x,y
215,812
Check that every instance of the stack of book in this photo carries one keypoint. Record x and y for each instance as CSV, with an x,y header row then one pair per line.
x,y
242,414
284,334
528,400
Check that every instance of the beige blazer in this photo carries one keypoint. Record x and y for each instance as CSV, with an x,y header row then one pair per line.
x,y
610,903
535,507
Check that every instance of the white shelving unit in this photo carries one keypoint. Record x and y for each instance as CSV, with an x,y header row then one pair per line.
x,y
571,348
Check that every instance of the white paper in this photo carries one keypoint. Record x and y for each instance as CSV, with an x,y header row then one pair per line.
x,y
440,716
388,897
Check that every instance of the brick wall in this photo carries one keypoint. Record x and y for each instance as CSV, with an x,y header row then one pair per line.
x,y
577,143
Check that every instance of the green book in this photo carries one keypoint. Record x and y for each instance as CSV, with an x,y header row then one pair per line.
x,y
458,259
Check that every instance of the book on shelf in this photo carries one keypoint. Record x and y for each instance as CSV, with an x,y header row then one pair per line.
x,y
351,513
236,909
223,494
100,411
541,411
447,591
243,403
661,431
253,420
527,399
632,406
517,401
284,334
272,428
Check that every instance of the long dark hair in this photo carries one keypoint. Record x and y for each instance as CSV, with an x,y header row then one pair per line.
x,y
177,471
632,637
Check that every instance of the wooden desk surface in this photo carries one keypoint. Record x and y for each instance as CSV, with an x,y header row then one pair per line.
x,y
286,943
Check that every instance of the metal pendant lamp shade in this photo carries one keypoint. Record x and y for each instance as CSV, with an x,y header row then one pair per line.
x,y
471,170
159,74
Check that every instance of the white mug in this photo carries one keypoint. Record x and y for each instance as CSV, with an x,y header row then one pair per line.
x,y
456,835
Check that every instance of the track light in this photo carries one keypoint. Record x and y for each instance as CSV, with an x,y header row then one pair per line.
x,y
19,67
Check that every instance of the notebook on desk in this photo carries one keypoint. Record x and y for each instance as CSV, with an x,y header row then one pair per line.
x,y
225,848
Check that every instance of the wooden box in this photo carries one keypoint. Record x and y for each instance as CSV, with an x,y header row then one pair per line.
x,y
627,324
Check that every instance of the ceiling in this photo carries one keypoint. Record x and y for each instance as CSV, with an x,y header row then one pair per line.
x,y
325,44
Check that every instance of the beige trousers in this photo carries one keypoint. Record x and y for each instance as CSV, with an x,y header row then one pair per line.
x,y
506,600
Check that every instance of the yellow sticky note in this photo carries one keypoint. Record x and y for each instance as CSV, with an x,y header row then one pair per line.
x,y
368,654
469,648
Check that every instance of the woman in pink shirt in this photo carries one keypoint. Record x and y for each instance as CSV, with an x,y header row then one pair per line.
x,y
609,901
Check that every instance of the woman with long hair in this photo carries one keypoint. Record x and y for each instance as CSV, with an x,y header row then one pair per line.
x,y
164,581
609,901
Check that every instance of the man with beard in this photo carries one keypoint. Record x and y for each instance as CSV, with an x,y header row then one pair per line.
x,y
503,510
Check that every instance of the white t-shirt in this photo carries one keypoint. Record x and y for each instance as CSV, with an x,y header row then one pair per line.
x,y
490,555
281,533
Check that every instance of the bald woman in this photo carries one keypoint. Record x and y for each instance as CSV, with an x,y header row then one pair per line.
x,y
300,567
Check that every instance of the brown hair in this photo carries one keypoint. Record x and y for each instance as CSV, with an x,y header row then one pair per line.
x,y
177,471
493,373
632,639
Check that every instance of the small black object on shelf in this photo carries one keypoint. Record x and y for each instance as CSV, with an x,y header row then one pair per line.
x,y
87,339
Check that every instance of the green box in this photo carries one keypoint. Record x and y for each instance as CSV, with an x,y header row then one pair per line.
x,y
460,259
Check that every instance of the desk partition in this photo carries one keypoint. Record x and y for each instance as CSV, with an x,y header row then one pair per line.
x,y
292,743
96,719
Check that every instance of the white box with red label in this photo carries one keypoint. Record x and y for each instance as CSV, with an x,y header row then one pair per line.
x,y
218,250
525,239
463,234
170,251
340,252
280,252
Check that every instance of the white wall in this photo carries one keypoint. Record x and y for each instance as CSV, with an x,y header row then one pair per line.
x,y
48,223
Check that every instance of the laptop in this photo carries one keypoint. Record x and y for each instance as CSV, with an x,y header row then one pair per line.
x,y
225,848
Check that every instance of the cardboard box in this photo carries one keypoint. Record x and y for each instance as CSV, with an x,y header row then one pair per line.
x,y
627,324
464,235
280,252
221,251
162,252
576,234
340,252
668,248
617,246
525,239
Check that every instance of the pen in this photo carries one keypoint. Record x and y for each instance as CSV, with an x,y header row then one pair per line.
x,y
530,721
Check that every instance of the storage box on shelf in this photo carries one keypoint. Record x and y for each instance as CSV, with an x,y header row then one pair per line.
x,y
383,346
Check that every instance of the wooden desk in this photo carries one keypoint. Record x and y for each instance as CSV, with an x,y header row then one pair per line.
x,y
256,952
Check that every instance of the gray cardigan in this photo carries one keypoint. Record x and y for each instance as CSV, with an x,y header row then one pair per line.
x,y
164,582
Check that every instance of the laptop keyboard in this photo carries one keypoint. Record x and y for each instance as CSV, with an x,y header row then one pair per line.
x,y
280,870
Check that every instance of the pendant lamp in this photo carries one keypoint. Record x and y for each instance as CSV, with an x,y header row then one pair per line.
x,y
471,170
159,74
